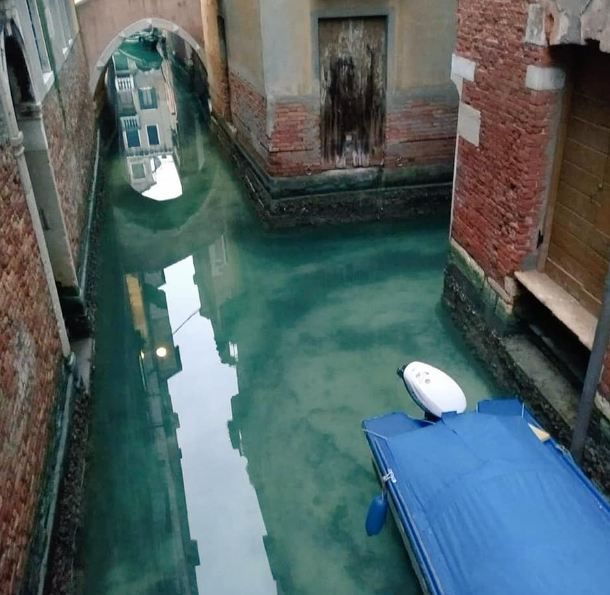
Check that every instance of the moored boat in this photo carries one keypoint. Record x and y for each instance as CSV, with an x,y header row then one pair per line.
x,y
486,501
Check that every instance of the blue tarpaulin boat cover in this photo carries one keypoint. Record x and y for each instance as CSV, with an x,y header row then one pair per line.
x,y
489,508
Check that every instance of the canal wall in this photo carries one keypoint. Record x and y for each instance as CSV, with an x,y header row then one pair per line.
x,y
518,363
392,157
47,148
69,119
30,373
529,242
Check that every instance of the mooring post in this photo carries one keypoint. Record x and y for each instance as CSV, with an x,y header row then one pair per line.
x,y
594,368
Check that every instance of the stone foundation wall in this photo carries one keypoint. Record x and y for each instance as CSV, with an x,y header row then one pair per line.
x,y
333,197
519,366
29,373
284,136
69,119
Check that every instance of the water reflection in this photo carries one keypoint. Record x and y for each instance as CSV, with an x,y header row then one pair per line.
x,y
233,369
141,89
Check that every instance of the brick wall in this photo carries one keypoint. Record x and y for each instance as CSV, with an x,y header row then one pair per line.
x,y
69,118
501,184
294,146
419,132
249,113
29,366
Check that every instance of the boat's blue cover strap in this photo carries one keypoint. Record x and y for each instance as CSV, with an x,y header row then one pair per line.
x,y
491,509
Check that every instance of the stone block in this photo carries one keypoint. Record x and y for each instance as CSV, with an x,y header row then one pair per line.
x,y
462,67
534,31
469,123
544,78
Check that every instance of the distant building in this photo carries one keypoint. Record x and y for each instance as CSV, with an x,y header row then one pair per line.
x,y
321,98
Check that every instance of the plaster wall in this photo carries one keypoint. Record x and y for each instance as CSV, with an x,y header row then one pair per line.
x,y
244,41
420,38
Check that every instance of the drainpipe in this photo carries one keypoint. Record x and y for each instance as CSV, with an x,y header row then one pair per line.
x,y
594,368
16,140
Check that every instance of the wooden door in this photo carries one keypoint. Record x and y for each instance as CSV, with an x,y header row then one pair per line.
x,y
352,91
579,246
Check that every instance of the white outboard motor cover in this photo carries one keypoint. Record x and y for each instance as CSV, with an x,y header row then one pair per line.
x,y
433,390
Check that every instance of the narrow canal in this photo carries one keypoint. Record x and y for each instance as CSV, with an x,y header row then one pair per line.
x,y
233,368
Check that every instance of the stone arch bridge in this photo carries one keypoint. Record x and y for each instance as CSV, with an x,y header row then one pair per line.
x,y
106,23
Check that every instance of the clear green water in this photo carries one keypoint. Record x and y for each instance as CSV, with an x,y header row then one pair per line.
x,y
244,434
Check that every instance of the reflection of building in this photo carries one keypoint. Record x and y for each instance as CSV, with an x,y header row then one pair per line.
x,y
137,527
147,116
159,360
218,279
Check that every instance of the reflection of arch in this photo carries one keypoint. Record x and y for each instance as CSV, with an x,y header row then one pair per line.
x,y
132,29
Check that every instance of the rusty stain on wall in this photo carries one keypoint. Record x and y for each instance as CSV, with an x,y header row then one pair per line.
x,y
352,90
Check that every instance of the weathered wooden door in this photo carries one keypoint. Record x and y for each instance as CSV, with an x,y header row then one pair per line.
x,y
579,246
352,91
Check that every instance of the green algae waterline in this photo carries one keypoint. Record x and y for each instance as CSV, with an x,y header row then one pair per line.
x,y
233,368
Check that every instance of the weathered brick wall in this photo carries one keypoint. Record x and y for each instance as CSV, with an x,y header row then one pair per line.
x,y
419,132
29,365
500,185
69,119
294,146
249,114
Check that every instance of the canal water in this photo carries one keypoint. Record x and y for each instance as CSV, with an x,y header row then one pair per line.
x,y
233,368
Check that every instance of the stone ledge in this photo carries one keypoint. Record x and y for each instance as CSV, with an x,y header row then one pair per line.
x,y
469,123
462,67
561,304
544,78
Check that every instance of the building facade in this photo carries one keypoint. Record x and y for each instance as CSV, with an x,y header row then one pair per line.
x,y
328,98
531,203
47,143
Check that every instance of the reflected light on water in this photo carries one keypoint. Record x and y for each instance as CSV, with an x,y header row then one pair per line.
x,y
161,352
167,184
223,507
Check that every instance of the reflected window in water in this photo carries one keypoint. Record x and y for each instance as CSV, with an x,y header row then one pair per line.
x,y
140,87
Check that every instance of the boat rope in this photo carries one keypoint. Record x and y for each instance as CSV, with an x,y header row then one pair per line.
x,y
389,476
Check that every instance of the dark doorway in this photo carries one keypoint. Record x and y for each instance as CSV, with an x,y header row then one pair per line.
x,y
352,91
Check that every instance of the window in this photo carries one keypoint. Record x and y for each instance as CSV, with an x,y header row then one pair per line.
x,y
148,98
41,48
153,134
121,64
137,171
133,138
61,25
130,122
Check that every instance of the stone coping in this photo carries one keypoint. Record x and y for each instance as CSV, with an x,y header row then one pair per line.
x,y
561,304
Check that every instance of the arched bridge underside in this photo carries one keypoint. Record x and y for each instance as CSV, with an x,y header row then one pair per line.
x,y
106,23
